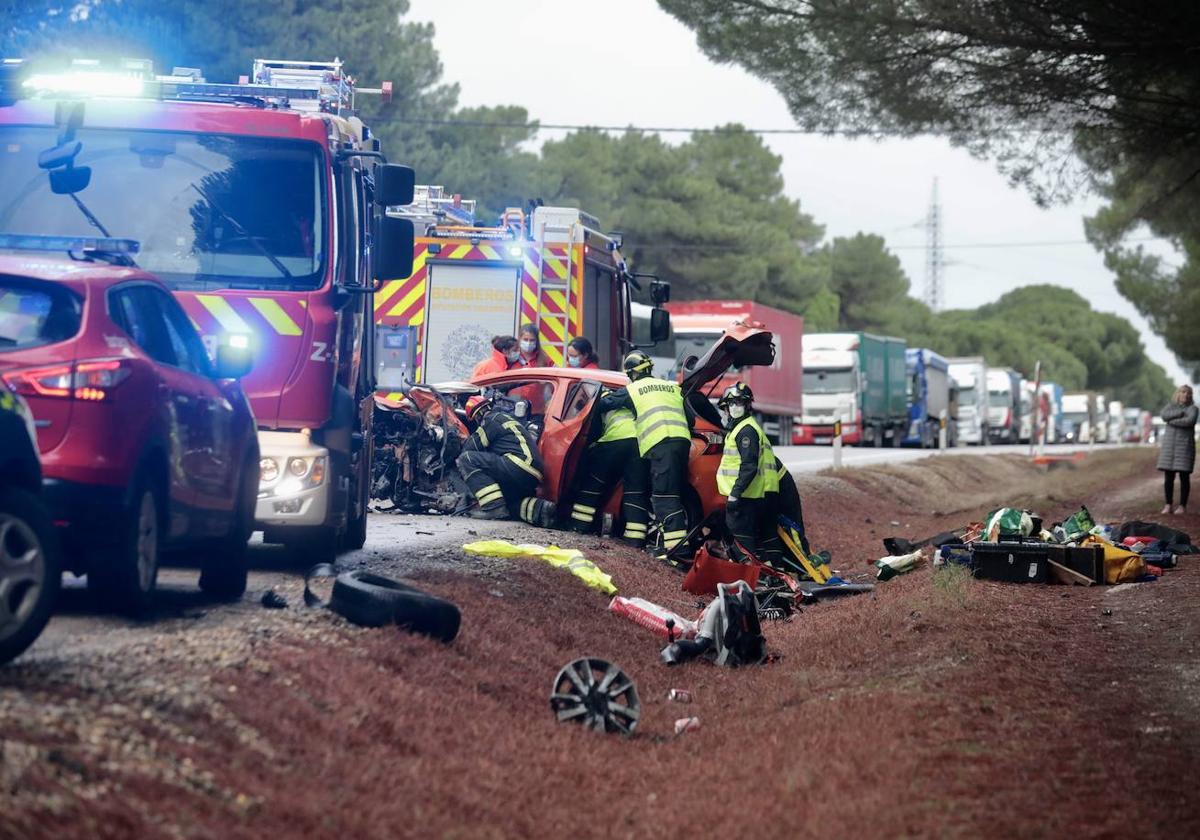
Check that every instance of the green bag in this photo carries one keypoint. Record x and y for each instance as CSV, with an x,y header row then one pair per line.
x,y
1079,525
1007,522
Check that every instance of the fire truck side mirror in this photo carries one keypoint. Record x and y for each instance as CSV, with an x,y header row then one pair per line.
x,y
394,185
392,248
660,325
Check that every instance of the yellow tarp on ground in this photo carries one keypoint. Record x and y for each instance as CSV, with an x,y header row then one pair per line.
x,y
1120,564
569,558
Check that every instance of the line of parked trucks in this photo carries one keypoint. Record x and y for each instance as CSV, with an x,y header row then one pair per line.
x,y
877,391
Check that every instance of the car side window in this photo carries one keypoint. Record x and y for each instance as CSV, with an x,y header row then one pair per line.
x,y
578,398
189,349
134,311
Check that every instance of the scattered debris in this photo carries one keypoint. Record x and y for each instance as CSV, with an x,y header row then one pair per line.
x,y
889,567
688,724
656,619
272,600
569,558
679,695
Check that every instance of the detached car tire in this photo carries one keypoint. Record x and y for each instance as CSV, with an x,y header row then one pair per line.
x,y
30,571
374,601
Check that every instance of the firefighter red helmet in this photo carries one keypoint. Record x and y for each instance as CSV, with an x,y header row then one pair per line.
x,y
477,407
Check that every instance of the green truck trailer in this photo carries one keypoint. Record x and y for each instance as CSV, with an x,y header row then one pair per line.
x,y
858,379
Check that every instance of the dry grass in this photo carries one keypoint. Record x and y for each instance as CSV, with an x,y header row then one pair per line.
x,y
939,706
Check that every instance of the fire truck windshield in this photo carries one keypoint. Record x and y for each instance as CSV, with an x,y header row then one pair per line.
x,y
210,211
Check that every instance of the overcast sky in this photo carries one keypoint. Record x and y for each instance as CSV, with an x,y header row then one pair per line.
x,y
626,62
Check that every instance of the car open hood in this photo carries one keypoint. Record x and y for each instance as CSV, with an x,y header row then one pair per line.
x,y
741,345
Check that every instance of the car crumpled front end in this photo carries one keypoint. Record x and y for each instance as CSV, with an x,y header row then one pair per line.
x,y
417,439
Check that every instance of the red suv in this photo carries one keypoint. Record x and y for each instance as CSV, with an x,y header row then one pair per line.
x,y
146,445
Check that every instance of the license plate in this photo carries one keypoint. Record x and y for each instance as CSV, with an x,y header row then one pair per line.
x,y
822,440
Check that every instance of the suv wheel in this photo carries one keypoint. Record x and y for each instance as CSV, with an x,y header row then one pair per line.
x,y
124,580
226,564
29,571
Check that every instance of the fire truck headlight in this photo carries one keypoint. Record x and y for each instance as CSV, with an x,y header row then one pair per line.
x,y
514,250
240,341
268,470
303,473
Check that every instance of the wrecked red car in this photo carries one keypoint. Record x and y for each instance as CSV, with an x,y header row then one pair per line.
x,y
418,437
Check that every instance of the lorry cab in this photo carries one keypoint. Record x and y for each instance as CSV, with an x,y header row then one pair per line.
x,y
970,373
1003,405
260,205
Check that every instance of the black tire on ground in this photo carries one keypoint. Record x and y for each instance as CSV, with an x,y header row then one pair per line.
x,y
30,570
123,578
374,601
225,565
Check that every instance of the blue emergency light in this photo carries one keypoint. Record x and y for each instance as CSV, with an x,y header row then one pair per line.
x,y
70,244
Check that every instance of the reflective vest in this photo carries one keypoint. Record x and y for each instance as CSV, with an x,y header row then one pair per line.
x,y
660,415
618,425
766,480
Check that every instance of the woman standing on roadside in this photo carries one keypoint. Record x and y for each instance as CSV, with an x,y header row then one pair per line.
x,y
1178,453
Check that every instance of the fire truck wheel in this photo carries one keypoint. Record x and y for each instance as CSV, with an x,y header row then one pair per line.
x,y
374,601
355,535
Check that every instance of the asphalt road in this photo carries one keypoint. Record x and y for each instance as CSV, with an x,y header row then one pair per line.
x,y
809,459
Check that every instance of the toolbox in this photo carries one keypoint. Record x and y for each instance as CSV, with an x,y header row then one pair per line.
x,y
1012,562
1087,560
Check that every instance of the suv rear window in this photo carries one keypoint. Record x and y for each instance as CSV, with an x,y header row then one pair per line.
x,y
33,313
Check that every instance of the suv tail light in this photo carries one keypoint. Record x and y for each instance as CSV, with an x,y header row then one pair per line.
x,y
89,380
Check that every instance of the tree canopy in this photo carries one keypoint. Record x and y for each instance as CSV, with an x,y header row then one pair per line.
x,y
1061,94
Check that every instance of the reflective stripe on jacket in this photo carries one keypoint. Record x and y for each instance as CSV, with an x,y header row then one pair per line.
x,y
767,478
618,425
658,405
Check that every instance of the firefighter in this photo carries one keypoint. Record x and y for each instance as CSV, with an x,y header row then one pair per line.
x,y
505,356
502,467
664,439
614,456
749,476
530,348
580,354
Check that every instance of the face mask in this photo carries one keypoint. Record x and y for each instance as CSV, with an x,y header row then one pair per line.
x,y
528,346
737,411
512,356
574,361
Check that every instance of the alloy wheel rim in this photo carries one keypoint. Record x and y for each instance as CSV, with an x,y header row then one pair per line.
x,y
22,573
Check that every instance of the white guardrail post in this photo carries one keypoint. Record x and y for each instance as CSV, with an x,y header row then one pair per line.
x,y
837,444
942,429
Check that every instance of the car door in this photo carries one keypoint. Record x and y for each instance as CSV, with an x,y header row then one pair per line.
x,y
214,463
136,311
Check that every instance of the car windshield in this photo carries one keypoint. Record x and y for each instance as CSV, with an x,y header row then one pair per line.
x,y
966,395
34,313
828,381
210,211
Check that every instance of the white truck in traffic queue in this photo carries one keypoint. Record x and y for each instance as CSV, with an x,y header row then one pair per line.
x,y
1100,418
1077,417
1004,405
970,373
1116,421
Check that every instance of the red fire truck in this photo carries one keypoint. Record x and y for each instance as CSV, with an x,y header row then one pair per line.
x,y
260,204
470,282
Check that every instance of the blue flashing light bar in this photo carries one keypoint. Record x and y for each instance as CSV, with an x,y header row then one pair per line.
x,y
70,244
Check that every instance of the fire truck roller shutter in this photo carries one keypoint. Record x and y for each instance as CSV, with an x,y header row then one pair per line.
x,y
466,305
598,325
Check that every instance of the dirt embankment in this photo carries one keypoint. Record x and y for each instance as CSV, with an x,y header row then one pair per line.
x,y
938,706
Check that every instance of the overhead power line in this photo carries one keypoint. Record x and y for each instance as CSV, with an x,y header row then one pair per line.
x,y
652,246
863,133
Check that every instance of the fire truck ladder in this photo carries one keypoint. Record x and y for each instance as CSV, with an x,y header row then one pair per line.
x,y
554,288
